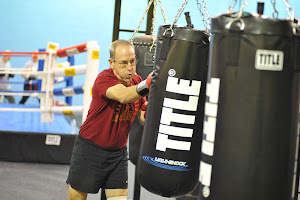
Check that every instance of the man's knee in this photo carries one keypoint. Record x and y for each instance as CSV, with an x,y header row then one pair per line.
x,y
116,194
75,194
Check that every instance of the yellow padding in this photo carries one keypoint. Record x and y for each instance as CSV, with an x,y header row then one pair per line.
x,y
70,71
68,112
52,46
95,54
118,198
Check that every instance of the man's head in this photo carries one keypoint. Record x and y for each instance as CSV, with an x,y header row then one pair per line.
x,y
122,60
6,57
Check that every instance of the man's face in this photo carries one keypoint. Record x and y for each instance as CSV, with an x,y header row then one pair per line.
x,y
124,63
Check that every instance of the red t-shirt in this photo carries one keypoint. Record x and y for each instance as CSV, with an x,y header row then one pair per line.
x,y
108,121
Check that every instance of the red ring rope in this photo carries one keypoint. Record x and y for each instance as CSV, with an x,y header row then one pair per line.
x,y
70,51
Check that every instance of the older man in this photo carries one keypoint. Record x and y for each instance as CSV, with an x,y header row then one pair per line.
x,y
99,158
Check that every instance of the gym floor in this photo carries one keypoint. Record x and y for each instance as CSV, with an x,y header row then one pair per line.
x,y
31,181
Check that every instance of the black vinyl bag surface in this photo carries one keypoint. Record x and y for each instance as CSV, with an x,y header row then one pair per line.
x,y
170,152
250,128
144,51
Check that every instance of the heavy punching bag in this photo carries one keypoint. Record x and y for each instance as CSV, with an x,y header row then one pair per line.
x,y
144,51
170,152
250,128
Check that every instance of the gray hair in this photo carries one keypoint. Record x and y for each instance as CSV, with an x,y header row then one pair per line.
x,y
115,44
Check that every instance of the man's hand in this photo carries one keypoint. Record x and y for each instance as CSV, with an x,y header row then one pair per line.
x,y
143,87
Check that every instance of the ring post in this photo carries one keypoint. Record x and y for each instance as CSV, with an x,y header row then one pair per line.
x,y
92,69
70,79
48,83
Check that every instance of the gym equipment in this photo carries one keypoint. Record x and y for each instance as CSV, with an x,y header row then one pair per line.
x,y
144,46
250,134
170,150
145,54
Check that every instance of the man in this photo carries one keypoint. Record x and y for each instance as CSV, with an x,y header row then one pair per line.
x,y
30,66
99,158
5,66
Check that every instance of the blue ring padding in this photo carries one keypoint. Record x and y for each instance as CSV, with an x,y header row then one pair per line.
x,y
169,167
58,92
76,89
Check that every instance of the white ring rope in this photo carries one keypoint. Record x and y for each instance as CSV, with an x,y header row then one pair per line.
x,y
52,70
60,70
66,110
22,93
65,71
11,72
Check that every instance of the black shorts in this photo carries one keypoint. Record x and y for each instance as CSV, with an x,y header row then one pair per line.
x,y
93,167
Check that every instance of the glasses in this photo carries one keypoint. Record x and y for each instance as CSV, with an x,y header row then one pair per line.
x,y
124,64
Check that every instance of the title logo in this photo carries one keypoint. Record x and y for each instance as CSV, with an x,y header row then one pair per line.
x,y
167,164
184,87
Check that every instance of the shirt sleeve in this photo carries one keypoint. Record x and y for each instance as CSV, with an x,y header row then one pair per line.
x,y
104,81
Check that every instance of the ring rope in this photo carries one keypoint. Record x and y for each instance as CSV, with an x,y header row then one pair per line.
x,y
32,93
50,67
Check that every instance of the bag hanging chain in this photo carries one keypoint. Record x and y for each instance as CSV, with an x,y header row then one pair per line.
x,y
290,11
275,12
153,28
178,14
141,21
239,17
206,21
163,12
232,5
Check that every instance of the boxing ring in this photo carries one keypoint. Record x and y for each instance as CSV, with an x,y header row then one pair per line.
x,y
46,132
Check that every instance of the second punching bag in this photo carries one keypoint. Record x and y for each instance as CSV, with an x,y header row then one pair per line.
x,y
170,151
249,148
144,51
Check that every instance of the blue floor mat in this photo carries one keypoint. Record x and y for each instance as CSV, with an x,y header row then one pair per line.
x,y
31,121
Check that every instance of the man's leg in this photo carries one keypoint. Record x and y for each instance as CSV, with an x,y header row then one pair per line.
x,y
24,98
116,194
76,195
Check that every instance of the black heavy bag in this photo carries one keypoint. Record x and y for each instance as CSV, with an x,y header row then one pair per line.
x,y
250,128
144,51
170,151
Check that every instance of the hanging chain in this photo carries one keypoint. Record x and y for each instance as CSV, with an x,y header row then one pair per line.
x,y
245,2
163,12
232,5
290,11
153,28
141,21
179,13
207,14
239,17
206,21
275,12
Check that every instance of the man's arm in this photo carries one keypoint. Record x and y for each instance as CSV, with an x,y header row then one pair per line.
x,y
130,94
123,94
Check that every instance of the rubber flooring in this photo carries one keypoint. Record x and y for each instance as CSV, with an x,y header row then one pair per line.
x,y
37,181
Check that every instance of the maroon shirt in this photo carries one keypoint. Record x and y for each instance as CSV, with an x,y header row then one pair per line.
x,y
108,121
